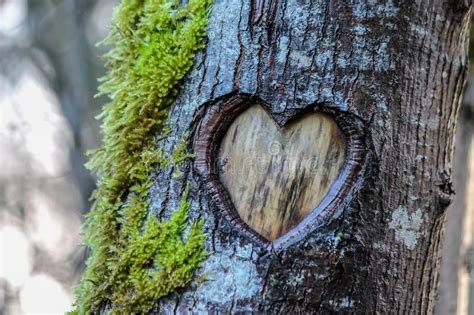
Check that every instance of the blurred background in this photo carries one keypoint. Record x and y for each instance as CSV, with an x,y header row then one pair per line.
x,y
49,65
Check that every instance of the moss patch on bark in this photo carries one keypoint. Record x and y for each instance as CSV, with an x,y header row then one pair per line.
x,y
136,258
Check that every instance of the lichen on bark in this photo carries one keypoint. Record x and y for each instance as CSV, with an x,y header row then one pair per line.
x,y
136,258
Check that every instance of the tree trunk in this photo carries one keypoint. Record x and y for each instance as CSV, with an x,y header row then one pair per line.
x,y
391,76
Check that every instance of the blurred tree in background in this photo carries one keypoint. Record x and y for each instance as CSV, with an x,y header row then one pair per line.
x,y
49,66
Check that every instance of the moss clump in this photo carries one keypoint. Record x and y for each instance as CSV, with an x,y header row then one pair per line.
x,y
180,153
135,258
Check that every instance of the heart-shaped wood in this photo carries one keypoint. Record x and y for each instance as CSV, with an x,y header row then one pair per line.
x,y
277,176
328,148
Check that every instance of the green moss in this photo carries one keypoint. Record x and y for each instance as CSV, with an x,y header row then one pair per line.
x,y
181,153
135,258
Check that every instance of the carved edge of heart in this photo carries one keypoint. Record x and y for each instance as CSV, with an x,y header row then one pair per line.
x,y
209,129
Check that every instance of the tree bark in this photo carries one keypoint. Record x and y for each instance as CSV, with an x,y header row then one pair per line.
x,y
397,68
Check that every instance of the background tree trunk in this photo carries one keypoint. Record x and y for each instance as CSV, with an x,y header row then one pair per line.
x,y
400,68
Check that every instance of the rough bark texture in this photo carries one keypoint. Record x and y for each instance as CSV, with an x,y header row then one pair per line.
x,y
400,68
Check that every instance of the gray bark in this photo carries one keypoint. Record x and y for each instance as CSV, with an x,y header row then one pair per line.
x,y
400,68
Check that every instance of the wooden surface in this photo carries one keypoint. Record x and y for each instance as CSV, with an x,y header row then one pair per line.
x,y
276,176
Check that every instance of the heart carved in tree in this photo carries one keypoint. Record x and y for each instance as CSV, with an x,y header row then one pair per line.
x,y
277,177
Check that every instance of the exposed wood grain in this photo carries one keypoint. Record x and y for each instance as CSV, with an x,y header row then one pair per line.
x,y
213,123
276,176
